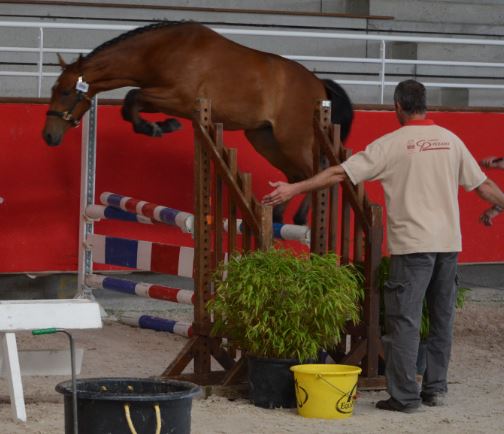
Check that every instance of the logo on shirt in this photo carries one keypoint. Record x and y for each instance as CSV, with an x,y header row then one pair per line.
x,y
426,145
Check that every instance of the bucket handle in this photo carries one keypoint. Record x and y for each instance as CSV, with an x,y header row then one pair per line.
x,y
130,422
320,377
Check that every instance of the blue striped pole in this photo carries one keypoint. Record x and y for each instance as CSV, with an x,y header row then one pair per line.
x,y
159,324
141,289
160,213
101,212
281,231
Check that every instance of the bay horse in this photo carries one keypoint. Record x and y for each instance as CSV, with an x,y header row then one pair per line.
x,y
171,65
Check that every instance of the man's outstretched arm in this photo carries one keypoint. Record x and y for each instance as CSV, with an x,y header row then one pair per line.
x,y
285,191
493,162
490,192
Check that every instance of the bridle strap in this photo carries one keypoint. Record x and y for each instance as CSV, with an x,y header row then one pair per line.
x,y
67,115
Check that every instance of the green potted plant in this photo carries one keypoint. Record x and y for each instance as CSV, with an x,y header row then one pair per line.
x,y
282,308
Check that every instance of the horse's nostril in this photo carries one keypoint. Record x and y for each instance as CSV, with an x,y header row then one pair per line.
x,y
50,139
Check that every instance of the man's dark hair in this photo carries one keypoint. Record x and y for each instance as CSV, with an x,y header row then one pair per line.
x,y
410,95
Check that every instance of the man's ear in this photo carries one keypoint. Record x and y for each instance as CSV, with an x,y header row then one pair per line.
x,y
61,61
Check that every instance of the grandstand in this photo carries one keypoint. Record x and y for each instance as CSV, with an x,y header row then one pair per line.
x,y
461,74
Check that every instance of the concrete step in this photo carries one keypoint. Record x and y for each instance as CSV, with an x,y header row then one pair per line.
x,y
435,11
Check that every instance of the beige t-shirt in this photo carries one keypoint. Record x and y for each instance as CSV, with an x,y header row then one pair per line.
x,y
420,166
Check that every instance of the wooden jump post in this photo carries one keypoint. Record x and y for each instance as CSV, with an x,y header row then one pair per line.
x,y
353,230
367,236
216,174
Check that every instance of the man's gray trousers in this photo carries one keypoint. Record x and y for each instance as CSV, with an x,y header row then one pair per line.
x,y
413,277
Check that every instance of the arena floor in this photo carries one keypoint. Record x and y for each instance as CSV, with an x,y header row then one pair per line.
x,y
475,403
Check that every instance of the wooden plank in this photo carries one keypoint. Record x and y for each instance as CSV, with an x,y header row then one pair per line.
x,y
237,373
345,221
365,338
315,199
233,187
372,383
183,358
356,354
210,378
203,243
334,194
333,218
346,184
232,161
246,229
218,202
221,355
318,241
372,298
266,234
358,330
358,230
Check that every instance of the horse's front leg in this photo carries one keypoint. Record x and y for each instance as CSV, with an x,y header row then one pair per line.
x,y
135,103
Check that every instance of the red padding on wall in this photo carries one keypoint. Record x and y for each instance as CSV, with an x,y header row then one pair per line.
x,y
40,184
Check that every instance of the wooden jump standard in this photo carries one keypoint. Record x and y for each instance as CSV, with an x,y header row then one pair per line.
x,y
353,217
216,174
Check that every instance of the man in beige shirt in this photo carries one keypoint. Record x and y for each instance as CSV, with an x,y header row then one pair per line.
x,y
420,166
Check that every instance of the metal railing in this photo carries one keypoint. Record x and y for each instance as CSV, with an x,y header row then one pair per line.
x,y
381,82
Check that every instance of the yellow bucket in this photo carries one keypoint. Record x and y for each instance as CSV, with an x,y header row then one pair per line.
x,y
325,391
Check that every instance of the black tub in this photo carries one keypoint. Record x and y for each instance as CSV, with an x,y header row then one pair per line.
x,y
116,405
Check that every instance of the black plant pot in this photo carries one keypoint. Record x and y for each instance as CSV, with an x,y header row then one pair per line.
x,y
271,383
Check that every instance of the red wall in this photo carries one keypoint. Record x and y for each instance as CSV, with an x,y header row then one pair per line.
x,y
40,184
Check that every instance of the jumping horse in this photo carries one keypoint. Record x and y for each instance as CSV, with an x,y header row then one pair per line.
x,y
171,65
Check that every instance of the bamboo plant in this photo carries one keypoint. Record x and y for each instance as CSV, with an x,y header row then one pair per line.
x,y
278,304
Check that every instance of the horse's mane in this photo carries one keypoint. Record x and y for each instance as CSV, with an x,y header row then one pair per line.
x,y
134,32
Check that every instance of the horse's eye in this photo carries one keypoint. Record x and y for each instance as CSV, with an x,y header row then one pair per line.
x,y
65,92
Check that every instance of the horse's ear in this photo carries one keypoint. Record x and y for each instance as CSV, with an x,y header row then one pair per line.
x,y
61,61
79,59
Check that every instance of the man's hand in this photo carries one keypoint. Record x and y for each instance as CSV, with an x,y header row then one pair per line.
x,y
282,193
488,215
493,163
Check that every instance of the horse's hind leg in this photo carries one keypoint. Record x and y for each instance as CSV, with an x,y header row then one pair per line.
x,y
134,103
301,216
265,143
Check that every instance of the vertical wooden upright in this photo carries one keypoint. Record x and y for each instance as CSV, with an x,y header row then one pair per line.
x,y
359,224
216,174
320,198
202,238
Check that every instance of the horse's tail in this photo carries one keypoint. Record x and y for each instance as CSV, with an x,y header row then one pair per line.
x,y
341,107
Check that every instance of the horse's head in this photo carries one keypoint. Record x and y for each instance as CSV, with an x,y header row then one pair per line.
x,y
69,102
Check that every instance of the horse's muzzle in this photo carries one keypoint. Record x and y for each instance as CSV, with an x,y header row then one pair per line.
x,y
51,139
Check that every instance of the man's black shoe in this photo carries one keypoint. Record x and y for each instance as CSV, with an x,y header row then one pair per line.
x,y
433,399
392,405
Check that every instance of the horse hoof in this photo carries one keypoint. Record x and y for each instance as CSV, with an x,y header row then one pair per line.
x,y
301,221
169,125
156,130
